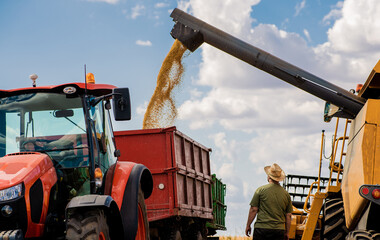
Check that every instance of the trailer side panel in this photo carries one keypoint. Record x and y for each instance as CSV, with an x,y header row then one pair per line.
x,y
180,167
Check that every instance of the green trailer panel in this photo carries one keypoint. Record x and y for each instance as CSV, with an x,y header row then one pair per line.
x,y
218,190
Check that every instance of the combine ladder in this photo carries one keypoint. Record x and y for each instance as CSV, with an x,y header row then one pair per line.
x,y
336,170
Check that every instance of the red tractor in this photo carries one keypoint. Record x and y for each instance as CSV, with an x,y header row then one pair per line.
x,y
60,177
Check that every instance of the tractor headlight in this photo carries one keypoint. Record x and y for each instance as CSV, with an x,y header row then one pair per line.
x,y
11,193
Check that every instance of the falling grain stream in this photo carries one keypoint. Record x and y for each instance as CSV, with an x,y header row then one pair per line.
x,y
162,111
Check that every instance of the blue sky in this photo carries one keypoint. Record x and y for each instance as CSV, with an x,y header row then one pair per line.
x,y
247,117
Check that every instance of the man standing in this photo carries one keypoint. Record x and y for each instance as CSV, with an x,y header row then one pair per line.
x,y
273,207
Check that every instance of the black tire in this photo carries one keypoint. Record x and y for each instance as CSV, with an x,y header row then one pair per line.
x,y
173,234
376,236
87,225
363,235
333,223
211,231
193,235
198,236
194,232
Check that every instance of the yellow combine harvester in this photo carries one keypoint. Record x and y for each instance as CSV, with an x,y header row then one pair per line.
x,y
348,207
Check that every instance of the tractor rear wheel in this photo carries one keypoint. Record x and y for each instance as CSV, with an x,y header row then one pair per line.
x,y
88,225
363,235
333,223
143,225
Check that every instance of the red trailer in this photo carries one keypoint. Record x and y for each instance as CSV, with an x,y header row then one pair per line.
x,y
181,201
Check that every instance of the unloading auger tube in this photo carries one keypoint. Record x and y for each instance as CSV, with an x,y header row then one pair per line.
x,y
192,32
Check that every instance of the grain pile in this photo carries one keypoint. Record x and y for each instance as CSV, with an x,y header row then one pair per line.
x,y
162,111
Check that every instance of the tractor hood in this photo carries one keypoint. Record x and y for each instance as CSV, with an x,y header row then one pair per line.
x,y
23,167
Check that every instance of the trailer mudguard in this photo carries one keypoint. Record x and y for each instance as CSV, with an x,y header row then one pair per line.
x,y
127,179
99,201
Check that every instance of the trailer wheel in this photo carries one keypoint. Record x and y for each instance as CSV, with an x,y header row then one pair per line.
x,y
143,225
173,233
198,236
88,225
193,234
363,235
333,223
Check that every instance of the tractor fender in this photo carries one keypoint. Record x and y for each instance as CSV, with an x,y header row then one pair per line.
x,y
99,201
125,189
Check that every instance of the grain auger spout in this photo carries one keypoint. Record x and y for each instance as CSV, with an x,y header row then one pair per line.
x,y
192,32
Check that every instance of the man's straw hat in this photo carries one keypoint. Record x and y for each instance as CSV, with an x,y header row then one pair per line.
x,y
275,172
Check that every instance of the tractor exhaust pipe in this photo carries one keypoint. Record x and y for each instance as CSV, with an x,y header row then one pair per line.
x,y
192,32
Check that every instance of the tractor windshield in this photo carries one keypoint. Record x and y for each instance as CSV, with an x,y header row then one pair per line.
x,y
44,122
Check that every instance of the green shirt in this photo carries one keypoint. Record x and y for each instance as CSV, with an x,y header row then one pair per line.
x,y
273,202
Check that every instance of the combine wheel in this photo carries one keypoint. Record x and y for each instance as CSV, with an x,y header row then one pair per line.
x,y
376,236
363,235
88,225
333,223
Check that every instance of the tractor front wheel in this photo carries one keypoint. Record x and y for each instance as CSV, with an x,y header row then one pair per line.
x,y
88,225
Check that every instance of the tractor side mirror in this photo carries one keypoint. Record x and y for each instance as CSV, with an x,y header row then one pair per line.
x,y
121,104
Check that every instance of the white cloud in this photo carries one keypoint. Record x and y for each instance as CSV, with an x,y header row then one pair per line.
x,y
226,171
247,110
226,148
195,94
299,7
334,14
307,34
161,5
360,21
293,155
137,11
143,43
241,95
232,17
142,108
216,68
353,46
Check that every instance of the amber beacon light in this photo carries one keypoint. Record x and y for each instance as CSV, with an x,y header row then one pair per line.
x,y
90,78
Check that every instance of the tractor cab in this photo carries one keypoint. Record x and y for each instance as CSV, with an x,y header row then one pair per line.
x,y
71,127
56,139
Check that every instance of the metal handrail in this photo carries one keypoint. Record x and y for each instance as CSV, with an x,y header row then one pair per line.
x,y
305,208
339,167
333,167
